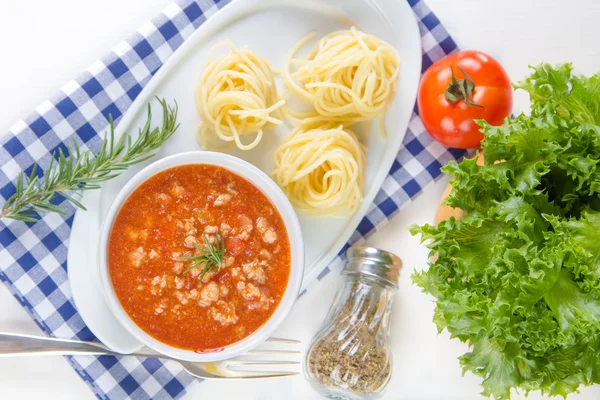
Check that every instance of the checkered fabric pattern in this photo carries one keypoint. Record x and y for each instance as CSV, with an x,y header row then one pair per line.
x,y
33,255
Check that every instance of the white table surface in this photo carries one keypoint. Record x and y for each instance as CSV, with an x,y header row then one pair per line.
x,y
46,43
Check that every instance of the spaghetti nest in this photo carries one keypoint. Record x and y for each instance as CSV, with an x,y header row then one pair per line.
x,y
348,77
236,97
320,169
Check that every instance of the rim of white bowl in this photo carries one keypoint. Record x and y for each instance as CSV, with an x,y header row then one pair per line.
x,y
259,179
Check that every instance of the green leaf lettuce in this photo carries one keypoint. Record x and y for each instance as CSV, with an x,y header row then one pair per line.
x,y
518,278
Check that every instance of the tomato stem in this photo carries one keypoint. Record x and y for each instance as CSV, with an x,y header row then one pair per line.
x,y
461,89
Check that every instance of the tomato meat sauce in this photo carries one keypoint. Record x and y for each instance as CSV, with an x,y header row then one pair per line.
x,y
169,217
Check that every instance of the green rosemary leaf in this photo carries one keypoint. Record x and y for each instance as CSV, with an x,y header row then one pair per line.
x,y
70,199
193,266
73,170
210,256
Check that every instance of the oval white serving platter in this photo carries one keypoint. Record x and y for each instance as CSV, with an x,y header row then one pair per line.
x,y
270,28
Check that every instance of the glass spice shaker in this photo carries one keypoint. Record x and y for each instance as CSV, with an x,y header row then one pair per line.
x,y
349,358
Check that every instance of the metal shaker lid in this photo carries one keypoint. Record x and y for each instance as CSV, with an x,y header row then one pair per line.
x,y
374,262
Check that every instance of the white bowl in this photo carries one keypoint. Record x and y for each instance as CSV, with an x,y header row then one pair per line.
x,y
272,191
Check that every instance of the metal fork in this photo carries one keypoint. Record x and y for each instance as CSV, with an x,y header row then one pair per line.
x,y
236,368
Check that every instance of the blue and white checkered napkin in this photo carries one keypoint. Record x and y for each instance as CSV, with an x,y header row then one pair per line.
x,y
34,256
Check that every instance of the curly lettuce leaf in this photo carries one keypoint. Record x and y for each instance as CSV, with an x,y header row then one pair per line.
x,y
518,278
555,90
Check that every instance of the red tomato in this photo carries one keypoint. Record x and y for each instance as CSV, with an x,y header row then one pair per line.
x,y
489,97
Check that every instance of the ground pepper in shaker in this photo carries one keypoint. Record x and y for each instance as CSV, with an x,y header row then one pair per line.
x,y
349,358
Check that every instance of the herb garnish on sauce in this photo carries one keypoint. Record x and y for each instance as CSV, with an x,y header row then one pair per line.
x,y
210,256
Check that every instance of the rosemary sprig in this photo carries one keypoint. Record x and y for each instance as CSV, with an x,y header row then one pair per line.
x,y
74,170
210,256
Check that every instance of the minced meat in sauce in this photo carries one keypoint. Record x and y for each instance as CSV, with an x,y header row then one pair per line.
x,y
166,219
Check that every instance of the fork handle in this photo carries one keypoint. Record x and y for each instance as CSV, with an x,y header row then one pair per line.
x,y
12,344
15,345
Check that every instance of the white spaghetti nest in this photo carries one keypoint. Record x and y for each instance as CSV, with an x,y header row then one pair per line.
x,y
236,97
320,169
348,77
